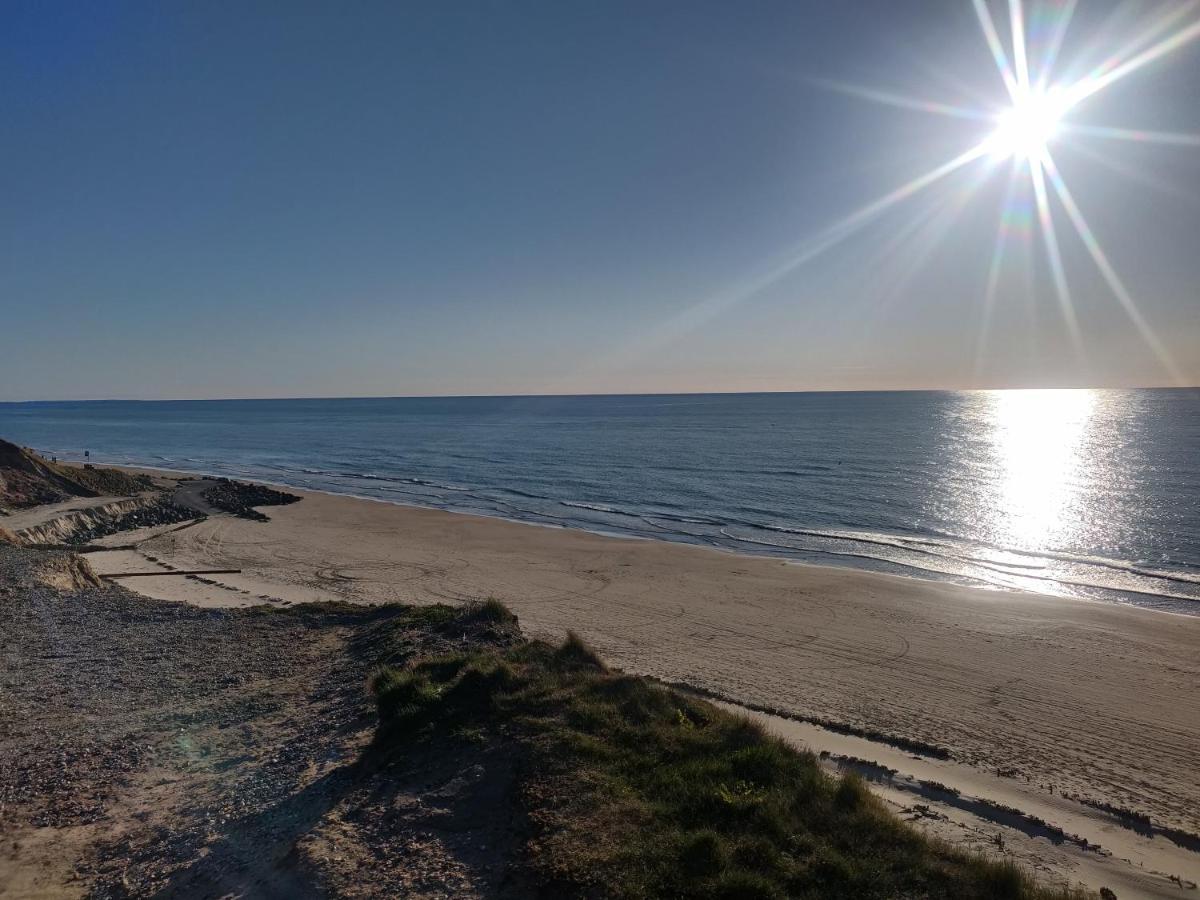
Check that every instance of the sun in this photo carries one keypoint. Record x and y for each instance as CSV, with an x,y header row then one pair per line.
x,y
1025,129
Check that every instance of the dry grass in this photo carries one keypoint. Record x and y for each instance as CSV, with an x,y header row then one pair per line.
x,y
636,791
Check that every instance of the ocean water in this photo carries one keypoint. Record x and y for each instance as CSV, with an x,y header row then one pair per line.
x,y
1094,494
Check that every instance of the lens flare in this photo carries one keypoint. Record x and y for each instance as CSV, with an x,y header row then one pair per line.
x,y
1033,117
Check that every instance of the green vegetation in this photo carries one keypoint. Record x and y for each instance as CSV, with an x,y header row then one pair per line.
x,y
634,790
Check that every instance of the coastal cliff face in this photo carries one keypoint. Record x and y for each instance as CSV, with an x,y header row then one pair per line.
x,y
91,502
81,526
63,572
28,480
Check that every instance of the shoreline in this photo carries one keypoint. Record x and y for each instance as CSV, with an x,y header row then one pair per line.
x,y
1168,603
608,535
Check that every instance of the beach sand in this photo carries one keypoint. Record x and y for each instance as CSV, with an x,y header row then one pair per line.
x,y
1056,696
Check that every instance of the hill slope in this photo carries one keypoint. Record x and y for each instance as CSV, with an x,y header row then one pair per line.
x,y
27,479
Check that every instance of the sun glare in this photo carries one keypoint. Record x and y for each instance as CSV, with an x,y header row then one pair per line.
x,y
1026,128
1038,438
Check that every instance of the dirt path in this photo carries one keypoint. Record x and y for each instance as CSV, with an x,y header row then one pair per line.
x,y
48,512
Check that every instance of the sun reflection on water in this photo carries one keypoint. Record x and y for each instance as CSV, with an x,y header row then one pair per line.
x,y
1038,438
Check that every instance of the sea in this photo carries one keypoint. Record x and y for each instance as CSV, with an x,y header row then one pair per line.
x,y
1093,494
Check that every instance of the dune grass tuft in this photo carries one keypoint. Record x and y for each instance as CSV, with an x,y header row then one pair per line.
x,y
489,610
575,653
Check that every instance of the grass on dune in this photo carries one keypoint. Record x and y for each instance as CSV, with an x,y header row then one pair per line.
x,y
634,790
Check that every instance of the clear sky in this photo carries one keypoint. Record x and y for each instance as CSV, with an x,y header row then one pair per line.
x,y
328,199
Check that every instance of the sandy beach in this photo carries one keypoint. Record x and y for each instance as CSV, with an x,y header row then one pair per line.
x,y
1059,697
1058,732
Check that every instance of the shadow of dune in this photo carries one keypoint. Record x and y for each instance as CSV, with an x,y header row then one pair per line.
x,y
1007,816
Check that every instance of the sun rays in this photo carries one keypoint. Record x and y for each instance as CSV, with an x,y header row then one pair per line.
x,y
1033,118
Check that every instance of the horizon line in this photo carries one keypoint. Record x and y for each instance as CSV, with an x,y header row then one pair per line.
x,y
519,396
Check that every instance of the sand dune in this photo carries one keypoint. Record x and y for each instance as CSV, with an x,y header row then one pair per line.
x,y
1058,696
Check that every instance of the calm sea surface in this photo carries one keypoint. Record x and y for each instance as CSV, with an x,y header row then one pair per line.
x,y
1084,493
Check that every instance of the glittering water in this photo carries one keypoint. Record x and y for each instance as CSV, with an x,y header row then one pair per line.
x,y
1086,493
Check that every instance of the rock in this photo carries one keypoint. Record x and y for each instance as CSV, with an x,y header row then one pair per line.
x,y
240,498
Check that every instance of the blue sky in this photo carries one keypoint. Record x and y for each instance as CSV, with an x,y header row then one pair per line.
x,y
293,199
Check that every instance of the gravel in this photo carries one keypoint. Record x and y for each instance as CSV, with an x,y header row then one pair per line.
x,y
150,747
